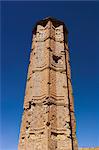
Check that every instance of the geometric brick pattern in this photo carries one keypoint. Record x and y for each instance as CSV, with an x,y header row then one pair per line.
x,y
48,121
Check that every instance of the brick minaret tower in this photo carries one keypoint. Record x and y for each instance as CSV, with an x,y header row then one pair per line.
x,y
48,121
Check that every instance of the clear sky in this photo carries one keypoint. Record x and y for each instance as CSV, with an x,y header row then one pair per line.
x,y
82,21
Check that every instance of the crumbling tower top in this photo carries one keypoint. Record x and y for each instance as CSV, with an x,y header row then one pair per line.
x,y
48,121
55,23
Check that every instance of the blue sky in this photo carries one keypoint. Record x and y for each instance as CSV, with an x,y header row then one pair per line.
x,y
82,21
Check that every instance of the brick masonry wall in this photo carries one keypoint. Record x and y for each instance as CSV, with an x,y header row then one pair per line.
x,y
48,121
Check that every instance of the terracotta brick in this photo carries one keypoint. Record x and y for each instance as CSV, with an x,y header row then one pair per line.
x,y
48,121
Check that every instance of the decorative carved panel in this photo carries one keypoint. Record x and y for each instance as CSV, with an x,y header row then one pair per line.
x,y
59,34
58,83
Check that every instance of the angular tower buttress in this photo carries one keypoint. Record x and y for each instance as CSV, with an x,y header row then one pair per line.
x,y
48,121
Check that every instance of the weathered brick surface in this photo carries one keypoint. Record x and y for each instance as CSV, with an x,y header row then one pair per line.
x,y
48,121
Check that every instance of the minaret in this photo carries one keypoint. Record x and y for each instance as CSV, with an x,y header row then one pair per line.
x,y
48,121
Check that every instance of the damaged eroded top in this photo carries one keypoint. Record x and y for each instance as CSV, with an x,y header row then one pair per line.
x,y
56,23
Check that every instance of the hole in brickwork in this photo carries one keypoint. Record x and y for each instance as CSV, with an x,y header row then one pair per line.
x,y
50,49
29,105
56,58
48,83
53,133
33,72
69,137
48,123
32,133
64,86
49,103
33,104
47,97
27,122
28,136
47,111
53,116
27,127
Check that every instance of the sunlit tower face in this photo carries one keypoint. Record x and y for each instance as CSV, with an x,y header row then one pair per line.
x,y
48,121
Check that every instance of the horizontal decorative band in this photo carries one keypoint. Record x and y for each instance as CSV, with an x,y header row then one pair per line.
x,y
62,41
49,67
